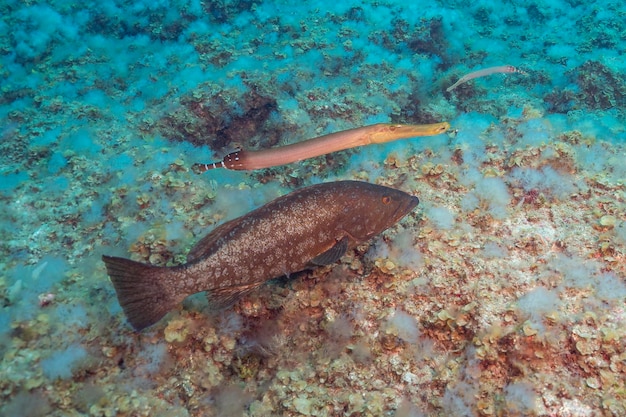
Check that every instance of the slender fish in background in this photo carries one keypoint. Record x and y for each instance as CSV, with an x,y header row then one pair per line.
x,y
338,141
315,225
503,69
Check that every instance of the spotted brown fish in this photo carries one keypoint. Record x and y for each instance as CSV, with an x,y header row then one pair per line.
x,y
314,225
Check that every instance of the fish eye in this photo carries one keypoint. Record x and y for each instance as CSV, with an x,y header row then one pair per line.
x,y
386,199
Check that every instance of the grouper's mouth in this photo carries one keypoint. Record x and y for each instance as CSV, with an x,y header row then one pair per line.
x,y
405,208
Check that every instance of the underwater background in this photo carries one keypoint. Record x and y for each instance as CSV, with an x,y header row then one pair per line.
x,y
502,294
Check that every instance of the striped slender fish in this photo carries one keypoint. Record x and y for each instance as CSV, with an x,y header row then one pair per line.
x,y
322,145
315,225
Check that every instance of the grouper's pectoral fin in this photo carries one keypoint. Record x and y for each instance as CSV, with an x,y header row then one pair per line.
x,y
221,298
333,254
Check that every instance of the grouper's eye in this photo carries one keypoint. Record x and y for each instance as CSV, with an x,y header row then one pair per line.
x,y
386,199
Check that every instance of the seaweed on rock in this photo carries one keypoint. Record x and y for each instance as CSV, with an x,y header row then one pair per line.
x,y
219,120
600,87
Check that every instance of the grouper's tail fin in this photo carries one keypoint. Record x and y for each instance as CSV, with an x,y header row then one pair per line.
x,y
143,291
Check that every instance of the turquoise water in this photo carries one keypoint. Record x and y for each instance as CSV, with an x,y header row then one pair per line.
x,y
503,294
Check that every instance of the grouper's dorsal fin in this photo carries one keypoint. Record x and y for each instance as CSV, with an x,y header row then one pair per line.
x,y
220,298
333,254
210,242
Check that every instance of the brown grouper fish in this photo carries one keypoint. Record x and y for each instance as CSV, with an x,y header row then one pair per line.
x,y
314,225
